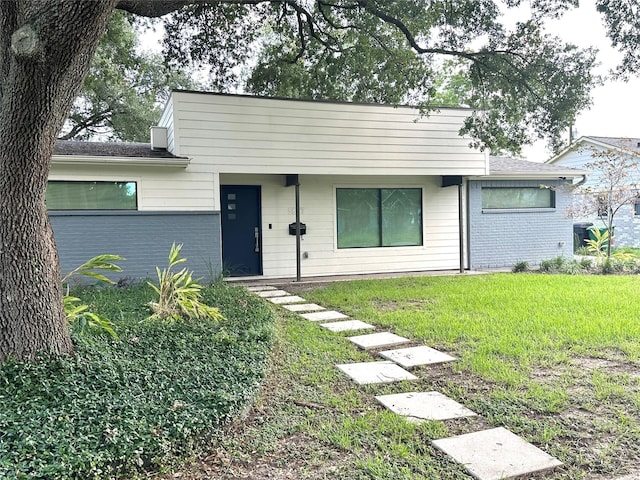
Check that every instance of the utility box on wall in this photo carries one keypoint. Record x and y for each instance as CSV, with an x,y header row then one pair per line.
x,y
292,228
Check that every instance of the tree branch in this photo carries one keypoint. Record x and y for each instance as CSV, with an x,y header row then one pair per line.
x,y
155,8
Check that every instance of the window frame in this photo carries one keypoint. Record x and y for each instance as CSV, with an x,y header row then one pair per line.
x,y
552,200
92,180
380,219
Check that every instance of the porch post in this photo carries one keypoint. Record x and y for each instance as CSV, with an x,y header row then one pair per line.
x,y
449,181
298,266
294,180
461,227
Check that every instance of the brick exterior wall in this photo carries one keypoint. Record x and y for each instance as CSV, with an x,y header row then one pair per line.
x,y
143,238
626,227
502,238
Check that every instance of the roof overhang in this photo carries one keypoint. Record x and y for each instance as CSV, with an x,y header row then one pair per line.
x,y
176,162
568,174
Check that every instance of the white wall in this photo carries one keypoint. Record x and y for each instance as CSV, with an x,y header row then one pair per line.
x,y
242,134
317,202
159,188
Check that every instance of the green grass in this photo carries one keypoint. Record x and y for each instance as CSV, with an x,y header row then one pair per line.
x,y
552,358
502,326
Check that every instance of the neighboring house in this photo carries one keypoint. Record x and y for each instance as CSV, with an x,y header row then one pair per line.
x,y
519,213
378,189
580,153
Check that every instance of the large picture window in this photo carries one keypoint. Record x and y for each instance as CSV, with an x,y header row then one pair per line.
x,y
379,217
517,197
81,195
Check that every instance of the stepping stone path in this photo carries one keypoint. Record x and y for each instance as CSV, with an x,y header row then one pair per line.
x,y
496,454
493,454
416,356
375,372
425,406
347,326
260,288
378,340
304,307
272,293
286,299
324,315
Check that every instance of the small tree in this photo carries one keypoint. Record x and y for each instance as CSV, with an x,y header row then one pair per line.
x,y
615,183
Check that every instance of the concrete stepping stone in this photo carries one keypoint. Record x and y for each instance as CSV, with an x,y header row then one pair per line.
x,y
260,288
496,454
378,340
286,299
272,293
304,307
346,326
325,315
415,356
375,372
419,406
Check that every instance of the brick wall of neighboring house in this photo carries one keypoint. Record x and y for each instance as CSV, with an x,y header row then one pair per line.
x,y
504,237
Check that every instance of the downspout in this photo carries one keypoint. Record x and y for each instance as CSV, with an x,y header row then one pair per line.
x,y
581,182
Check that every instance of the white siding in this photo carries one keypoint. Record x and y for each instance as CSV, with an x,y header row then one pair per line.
x,y
159,188
317,202
241,134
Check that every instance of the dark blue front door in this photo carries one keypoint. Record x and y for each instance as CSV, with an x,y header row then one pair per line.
x,y
241,232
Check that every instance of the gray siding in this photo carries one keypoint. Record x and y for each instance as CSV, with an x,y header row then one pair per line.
x,y
143,238
503,238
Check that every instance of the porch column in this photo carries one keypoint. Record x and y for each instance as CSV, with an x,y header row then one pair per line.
x,y
293,180
448,181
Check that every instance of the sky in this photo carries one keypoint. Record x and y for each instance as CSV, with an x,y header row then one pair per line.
x,y
616,105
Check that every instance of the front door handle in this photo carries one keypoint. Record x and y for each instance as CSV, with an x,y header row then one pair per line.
x,y
256,234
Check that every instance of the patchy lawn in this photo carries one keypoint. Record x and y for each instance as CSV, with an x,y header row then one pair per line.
x,y
554,359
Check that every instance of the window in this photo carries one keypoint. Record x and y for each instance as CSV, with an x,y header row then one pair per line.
x,y
517,197
379,217
72,195
636,207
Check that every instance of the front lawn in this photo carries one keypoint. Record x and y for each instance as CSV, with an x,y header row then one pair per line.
x,y
552,358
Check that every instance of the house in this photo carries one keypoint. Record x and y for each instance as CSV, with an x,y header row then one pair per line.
x,y
519,213
578,155
373,189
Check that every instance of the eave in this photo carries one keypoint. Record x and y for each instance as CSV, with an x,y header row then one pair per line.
x,y
176,162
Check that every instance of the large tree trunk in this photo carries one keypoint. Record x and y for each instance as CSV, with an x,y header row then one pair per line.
x,y
45,51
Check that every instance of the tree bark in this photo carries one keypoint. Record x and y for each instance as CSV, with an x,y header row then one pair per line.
x,y
45,52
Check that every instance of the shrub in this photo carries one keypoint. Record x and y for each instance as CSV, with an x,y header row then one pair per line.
x,y
117,408
522,266
179,294
80,318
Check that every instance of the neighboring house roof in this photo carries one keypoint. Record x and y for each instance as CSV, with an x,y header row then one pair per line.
x,y
74,151
515,168
631,145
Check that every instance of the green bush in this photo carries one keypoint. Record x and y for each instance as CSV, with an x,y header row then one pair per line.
x,y
120,407
521,266
179,295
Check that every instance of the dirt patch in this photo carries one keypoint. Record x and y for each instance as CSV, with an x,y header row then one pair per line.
x,y
590,363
